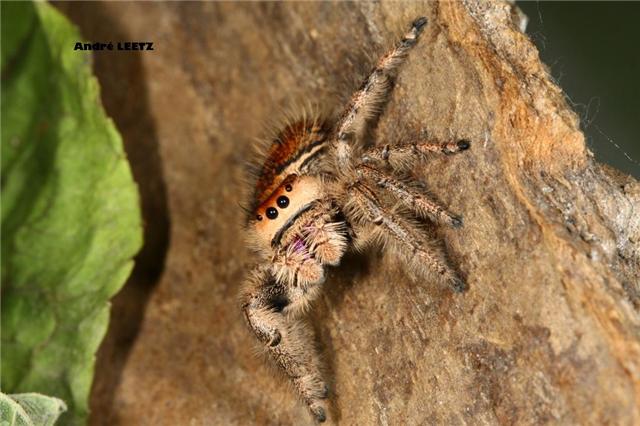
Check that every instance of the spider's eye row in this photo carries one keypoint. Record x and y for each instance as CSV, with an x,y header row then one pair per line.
x,y
259,217
288,187
283,201
272,213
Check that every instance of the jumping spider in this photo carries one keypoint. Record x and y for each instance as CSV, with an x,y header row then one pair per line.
x,y
314,198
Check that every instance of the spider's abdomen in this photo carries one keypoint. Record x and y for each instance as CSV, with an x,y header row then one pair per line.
x,y
292,152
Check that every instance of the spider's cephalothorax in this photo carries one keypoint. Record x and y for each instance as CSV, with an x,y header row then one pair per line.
x,y
318,193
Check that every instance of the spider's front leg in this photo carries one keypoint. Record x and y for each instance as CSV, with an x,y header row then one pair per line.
x,y
367,102
286,338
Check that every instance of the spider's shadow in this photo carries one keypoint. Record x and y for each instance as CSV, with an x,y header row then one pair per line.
x,y
343,277
339,282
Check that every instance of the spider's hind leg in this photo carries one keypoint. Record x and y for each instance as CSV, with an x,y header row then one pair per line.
x,y
421,204
418,255
286,338
367,102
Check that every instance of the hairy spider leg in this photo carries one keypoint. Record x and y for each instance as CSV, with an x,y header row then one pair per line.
x,y
404,156
404,233
419,203
287,339
366,103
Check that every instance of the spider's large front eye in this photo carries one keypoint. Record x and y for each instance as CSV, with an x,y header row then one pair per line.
x,y
272,213
283,201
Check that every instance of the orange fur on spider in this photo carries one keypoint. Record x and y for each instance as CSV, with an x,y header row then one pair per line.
x,y
298,142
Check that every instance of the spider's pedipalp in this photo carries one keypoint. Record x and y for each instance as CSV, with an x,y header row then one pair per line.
x,y
327,240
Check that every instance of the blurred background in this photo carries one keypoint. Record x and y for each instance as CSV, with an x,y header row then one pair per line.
x,y
593,52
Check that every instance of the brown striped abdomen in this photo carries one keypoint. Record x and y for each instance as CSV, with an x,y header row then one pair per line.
x,y
295,144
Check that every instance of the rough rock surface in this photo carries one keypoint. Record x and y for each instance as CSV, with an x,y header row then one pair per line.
x,y
549,331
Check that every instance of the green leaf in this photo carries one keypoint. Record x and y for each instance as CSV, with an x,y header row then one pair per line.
x,y
30,409
70,213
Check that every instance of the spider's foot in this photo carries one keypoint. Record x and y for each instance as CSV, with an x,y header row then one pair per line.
x,y
458,285
419,23
313,391
450,148
318,412
411,37
463,144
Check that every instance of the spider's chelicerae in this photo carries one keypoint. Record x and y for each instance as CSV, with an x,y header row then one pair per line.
x,y
318,192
